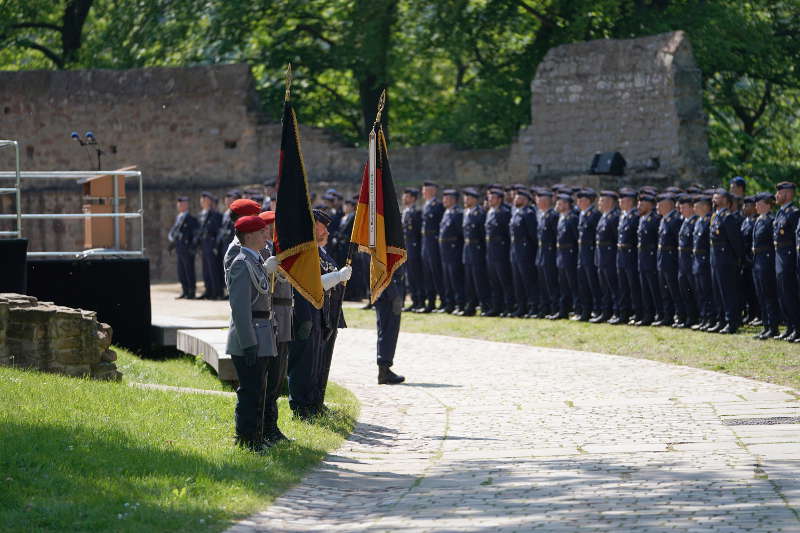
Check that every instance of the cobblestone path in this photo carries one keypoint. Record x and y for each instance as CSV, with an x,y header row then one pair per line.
x,y
503,437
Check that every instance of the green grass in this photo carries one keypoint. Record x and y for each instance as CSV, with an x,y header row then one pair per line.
x,y
79,455
772,361
181,371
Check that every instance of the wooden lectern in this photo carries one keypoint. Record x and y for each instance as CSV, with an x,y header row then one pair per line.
x,y
104,194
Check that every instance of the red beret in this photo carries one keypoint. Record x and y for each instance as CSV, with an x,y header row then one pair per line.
x,y
249,224
245,207
267,216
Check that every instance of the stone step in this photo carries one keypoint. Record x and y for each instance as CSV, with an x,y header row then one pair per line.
x,y
165,328
210,345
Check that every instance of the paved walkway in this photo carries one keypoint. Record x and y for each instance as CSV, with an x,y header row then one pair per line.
x,y
503,437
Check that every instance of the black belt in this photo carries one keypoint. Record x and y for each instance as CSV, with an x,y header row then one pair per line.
x,y
624,246
262,314
647,246
782,245
668,248
448,239
699,251
605,243
762,249
565,246
684,249
282,301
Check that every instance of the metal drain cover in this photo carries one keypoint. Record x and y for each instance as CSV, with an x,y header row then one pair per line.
x,y
762,421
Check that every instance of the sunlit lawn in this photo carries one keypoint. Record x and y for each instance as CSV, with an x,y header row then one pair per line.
x,y
78,455
772,361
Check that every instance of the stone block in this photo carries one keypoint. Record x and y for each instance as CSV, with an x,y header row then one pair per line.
x,y
55,338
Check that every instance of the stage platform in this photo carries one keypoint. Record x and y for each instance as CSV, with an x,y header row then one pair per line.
x,y
210,345
165,328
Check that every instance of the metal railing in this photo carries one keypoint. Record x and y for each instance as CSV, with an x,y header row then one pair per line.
x,y
77,175
14,190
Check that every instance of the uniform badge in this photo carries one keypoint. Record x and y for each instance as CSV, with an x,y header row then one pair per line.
x,y
781,231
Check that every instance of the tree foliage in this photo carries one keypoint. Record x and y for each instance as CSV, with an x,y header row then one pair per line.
x,y
456,71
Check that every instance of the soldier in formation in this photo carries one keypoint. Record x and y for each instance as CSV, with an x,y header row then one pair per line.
x,y
706,259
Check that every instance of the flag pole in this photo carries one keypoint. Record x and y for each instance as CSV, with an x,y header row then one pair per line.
x,y
286,97
372,163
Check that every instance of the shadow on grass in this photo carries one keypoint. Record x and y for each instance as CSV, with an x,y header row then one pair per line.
x,y
55,478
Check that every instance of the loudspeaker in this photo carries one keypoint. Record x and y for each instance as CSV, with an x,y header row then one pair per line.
x,y
13,264
117,289
608,163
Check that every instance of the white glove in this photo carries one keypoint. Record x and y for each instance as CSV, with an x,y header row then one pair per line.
x,y
330,280
345,273
271,264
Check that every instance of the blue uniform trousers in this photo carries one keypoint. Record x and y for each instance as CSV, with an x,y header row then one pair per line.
x,y
432,275
415,283
704,296
651,294
568,287
766,291
749,300
629,297
388,308
724,278
688,297
212,269
608,288
589,293
476,288
671,302
549,294
787,297
453,277
305,364
186,272
499,279
524,277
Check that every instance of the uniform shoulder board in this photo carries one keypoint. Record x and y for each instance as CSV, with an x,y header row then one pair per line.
x,y
793,208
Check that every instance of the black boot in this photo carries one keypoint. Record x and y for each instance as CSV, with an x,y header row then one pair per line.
x,y
387,377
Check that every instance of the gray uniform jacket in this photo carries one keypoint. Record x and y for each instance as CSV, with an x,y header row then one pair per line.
x,y
281,299
248,287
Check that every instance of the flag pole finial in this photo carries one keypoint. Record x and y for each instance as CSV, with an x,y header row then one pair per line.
x,y
381,105
288,93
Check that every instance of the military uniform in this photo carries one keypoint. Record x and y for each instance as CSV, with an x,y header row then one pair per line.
x,y
589,293
547,231
629,302
210,221
389,308
785,240
749,301
523,232
763,250
672,305
647,239
497,259
567,261
182,237
412,227
701,271
251,344
685,276
451,243
474,259
432,213
605,260
727,249
311,350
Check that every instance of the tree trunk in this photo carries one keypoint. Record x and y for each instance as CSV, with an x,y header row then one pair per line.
x,y
372,31
75,13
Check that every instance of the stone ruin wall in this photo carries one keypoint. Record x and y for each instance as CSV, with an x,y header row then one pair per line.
x,y
198,128
641,97
54,338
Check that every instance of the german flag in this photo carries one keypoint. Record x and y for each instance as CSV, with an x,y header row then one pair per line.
x,y
295,232
377,229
